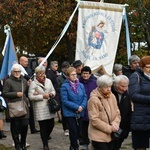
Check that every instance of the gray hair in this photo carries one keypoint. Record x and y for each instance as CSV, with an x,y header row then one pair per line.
x,y
119,78
133,58
53,63
16,66
39,69
104,81
117,67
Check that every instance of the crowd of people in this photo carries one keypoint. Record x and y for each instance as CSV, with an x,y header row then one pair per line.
x,y
96,108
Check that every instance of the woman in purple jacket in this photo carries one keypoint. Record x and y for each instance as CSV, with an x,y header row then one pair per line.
x,y
89,82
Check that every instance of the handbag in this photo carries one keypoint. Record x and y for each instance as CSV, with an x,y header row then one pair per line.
x,y
53,105
17,109
114,135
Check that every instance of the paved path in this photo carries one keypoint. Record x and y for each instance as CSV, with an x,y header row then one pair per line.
x,y
58,142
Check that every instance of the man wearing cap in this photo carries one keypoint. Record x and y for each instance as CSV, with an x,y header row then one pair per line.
x,y
78,65
60,80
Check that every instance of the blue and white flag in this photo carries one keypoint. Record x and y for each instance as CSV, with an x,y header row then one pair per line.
x,y
98,33
10,56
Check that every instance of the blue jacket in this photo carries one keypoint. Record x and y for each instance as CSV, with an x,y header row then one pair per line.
x,y
139,91
71,101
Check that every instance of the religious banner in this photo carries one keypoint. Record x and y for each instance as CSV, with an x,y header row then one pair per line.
x,y
98,33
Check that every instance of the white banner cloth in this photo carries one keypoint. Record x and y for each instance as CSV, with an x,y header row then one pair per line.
x,y
98,33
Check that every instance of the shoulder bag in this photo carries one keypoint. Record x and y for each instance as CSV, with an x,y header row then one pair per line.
x,y
114,135
17,109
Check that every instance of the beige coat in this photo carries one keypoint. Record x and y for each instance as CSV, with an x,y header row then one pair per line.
x,y
41,110
99,128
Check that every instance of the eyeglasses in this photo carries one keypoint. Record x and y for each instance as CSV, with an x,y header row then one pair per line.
x,y
17,71
148,67
73,74
41,74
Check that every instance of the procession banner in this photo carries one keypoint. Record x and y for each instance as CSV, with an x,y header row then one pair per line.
x,y
98,33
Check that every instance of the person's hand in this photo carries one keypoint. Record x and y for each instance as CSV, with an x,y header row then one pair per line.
x,y
50,94
46,95
80,109
19,94
114,127
35,93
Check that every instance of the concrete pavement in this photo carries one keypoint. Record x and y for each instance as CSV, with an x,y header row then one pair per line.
x,y
58,142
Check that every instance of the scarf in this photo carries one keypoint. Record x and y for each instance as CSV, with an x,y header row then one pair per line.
x,y
105,95
74,85
41,80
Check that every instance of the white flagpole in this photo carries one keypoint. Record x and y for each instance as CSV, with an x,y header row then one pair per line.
x,y
61,35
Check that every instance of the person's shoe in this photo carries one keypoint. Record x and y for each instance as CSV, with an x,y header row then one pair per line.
x,y
80,141
71,148
66,132
27,144
3,135
84,147
18,147
46,148
34,131
23,148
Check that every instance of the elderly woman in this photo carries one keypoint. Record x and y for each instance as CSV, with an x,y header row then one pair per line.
x,y
74,101
139,91
14,89
104,115
133,65
117,69
40,90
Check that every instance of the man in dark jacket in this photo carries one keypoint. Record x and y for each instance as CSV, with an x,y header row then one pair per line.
x,y
119,89
60,80
78,65
24,63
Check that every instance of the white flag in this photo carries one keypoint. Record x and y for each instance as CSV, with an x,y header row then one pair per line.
x,y
98,32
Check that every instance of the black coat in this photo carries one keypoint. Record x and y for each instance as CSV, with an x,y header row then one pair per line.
x,y
127,71
139,90
125,111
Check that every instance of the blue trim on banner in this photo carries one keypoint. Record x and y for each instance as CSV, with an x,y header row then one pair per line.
x,y
127,33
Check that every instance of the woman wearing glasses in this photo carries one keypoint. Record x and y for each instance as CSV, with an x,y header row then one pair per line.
x,y
40,90
14,89
74,101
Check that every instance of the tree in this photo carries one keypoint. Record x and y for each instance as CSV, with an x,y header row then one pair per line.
x,y
36,25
